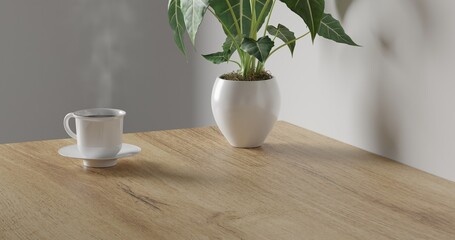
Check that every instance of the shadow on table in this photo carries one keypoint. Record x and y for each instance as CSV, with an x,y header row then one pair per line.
x,y
302,151
149,169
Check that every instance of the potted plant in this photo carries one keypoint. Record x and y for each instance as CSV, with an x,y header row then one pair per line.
x,y
246,103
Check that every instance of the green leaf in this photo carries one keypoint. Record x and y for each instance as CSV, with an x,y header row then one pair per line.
x,y
311,11
260,49
331,29
232,44
175,17
229,47
217,58
284,34
260,6
235,17
193,13
228,11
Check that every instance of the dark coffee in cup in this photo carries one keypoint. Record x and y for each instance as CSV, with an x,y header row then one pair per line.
x,y
99,116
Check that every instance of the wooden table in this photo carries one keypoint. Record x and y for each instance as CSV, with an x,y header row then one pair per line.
x,y
190,184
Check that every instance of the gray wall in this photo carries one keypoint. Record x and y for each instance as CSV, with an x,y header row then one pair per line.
x,y
59,56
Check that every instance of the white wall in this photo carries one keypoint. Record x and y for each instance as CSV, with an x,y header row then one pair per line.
x,y
394,96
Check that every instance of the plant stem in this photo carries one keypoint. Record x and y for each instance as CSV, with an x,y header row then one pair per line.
x,y
286,43
268,18
253,29
227,30
246,65
253,64
259,67
239,51
261,15
234,17
241,14
274,37
233,61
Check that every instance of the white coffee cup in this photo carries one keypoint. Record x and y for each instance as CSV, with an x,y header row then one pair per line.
x,y
99,131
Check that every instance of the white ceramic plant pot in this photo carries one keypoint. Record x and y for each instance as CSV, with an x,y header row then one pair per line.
x,y
245,111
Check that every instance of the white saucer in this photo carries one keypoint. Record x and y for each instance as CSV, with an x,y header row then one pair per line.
x,y
126,151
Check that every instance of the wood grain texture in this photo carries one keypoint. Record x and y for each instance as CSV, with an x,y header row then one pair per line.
x,y
190,184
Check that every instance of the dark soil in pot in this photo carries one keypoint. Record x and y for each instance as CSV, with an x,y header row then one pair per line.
x,y
257,76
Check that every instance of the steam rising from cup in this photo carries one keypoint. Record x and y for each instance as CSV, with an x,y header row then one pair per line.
x,y
109,21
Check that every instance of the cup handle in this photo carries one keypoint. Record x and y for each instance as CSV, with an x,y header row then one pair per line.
x,y
67,126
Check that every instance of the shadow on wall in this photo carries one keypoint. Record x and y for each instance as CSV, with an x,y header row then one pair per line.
x,y
395,73
392,54
342,7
